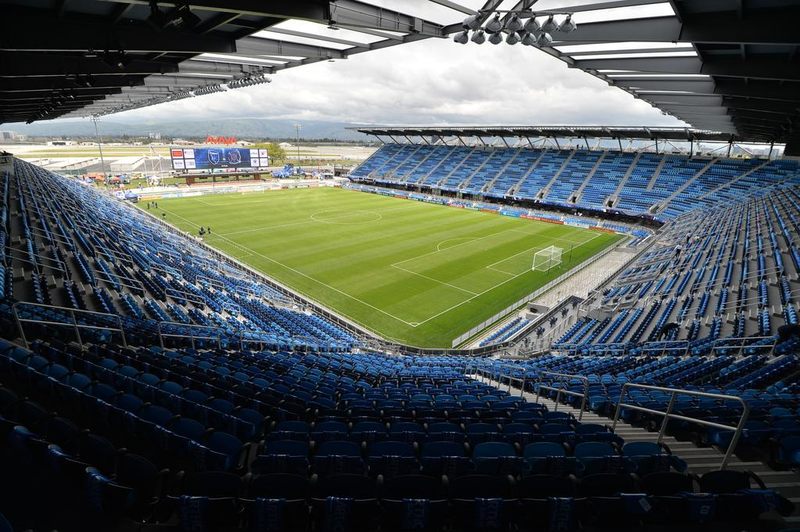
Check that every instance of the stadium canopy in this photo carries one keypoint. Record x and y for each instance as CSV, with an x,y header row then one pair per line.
x,y
92,57
719,65
632,133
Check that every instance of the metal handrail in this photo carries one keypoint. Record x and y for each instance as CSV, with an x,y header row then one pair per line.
x,y
669,415
512,378
192,337
680,347
564,378
73,324
743,342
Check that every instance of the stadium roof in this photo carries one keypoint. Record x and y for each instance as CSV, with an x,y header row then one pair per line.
x,y
635,133
721,65
93,57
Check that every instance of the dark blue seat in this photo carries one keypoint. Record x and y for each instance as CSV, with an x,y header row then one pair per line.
x,y
345,502
207,500
482,502
276,502
497,458
789,451
328,431
407,431
413,502
391,458
368,431
445,458
338,457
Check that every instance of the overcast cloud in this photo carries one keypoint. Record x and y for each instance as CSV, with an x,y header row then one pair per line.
x,y
426,82
434,81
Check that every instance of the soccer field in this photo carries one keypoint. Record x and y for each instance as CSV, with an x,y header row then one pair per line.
x,y
416,273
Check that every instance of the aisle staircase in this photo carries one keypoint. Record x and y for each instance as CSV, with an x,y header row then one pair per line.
x,y
699,459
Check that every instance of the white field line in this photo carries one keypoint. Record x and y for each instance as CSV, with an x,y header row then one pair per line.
x,y
309,221
455,246
410,324
298,272
491,266
434,280
489,289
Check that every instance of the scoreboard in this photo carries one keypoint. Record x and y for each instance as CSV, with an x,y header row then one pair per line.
x,y
213,158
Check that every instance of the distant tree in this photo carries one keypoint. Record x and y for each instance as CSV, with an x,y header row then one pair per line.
x,y
277,154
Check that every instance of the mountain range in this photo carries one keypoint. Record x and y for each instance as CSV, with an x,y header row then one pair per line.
x,y
245,128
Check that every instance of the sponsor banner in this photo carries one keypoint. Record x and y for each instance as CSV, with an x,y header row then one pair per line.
x,y
217,158
602,229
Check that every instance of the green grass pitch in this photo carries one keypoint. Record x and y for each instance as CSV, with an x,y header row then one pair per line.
x,y
416,273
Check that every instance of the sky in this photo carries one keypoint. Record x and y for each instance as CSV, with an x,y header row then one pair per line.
x,y
429,82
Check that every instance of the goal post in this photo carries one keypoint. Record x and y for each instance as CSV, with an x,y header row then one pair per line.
x,y
547,258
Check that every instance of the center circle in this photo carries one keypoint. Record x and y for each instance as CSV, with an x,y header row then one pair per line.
x,y
345,217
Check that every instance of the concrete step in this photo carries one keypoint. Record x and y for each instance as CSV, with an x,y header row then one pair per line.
x,y
699,459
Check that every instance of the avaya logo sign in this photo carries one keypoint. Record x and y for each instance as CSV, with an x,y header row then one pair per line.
x,y
220,140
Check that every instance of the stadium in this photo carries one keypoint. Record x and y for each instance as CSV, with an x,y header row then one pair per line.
x,y
475,328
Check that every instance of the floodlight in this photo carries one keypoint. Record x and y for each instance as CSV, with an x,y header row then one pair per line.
x,y
494,25
472,22
529,39
513,24
495,38
568,26
478,37
550,25
532,26
544,39
512,38
462,37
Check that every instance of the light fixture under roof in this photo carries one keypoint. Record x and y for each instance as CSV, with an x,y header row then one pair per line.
x,y
544,39
478,37
550,25
568,26
529,39
515,26
461,37
473,22
494,25
532,25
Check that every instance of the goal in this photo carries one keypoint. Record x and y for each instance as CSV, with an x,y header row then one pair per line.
x,y
546,258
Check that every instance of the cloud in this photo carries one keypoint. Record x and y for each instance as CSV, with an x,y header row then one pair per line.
x,y
434,81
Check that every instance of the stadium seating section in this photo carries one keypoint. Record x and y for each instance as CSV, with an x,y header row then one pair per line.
x,y
662,186
195,397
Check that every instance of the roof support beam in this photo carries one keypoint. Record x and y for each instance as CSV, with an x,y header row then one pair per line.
x,y
256,46
94,33
345,12
751,68
711,29
48,64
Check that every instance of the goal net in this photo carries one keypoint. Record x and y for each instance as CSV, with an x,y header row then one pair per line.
x,y
546,258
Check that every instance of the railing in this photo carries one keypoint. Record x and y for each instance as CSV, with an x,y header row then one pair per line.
x,y
563,378
674,392
73,323
726,345
497,373
191,337
510,373
666,347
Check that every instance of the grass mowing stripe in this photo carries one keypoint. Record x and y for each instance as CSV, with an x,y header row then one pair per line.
x,y
415,272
